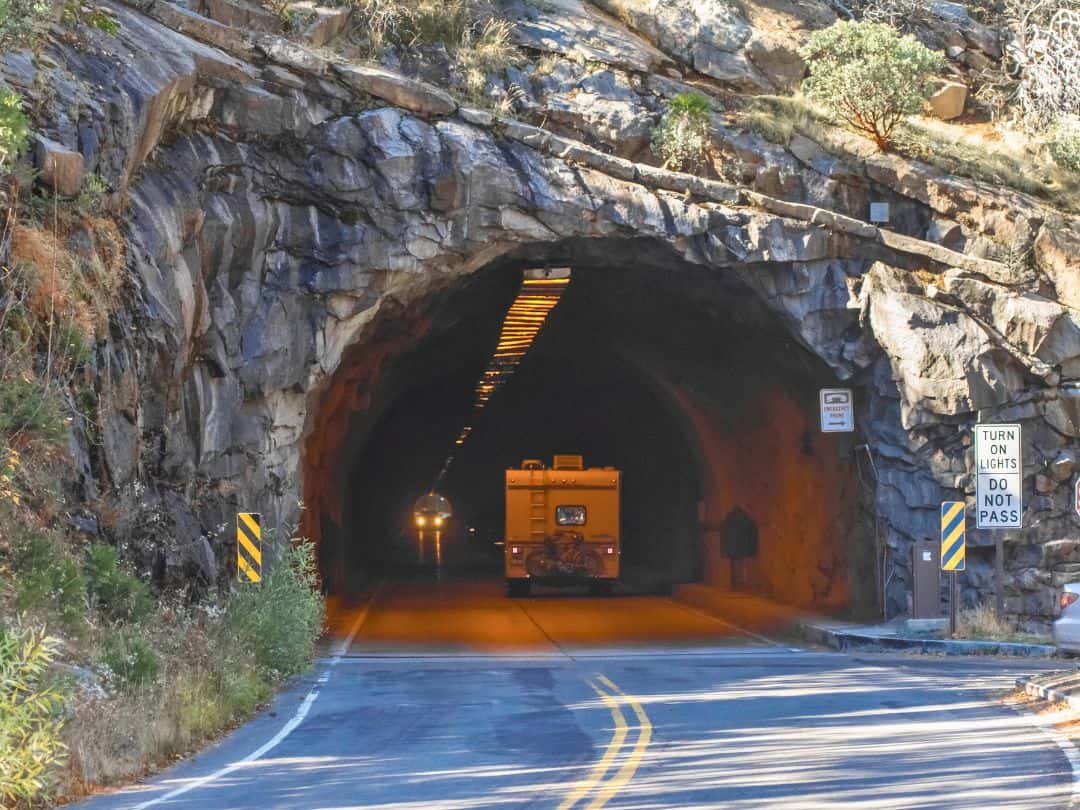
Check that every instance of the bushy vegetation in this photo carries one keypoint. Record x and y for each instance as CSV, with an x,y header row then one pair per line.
x,y
869,76
280,618
30,724
681,139
48,582
1064,141
1044,55
119,595
194,671
13,126
130,659
22,22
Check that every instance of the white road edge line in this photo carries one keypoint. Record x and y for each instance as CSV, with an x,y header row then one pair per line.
x,y
287,729
1067,748
735,627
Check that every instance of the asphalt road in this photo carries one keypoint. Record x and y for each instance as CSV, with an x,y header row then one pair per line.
x,y
453,696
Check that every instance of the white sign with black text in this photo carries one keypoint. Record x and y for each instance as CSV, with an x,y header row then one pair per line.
x,y
999,476
837,410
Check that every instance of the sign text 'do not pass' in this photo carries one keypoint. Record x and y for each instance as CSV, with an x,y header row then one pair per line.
x,y
999,476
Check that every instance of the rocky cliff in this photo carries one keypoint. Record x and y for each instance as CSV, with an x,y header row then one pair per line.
x,y
291,215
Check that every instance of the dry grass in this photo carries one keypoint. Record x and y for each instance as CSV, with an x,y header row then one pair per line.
x,y
490,50
982,622
80,288
996,155
778,118
983,152
475,35
119,738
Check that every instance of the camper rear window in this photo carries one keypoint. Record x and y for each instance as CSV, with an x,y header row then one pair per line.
x,y
570,515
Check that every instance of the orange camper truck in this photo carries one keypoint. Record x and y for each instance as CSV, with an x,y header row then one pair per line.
x,y
562,525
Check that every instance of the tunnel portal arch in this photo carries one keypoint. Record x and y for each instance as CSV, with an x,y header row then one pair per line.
x,y
733,381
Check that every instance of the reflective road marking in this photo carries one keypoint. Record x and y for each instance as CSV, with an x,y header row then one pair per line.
x,y
614,698
629,768
612,750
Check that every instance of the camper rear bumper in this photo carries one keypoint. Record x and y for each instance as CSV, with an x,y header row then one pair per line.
x,y
530,560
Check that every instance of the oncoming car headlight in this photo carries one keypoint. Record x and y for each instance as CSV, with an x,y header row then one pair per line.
x,y
420,521
438,521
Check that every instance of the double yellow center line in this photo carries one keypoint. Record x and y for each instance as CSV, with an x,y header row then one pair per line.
x,y
602,792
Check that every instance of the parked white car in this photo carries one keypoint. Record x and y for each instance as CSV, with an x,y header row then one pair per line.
x,y
1067,628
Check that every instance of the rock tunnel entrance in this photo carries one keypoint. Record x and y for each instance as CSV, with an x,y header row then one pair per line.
x,y
672,373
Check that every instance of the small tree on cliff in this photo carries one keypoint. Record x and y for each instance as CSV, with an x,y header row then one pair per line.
x,y
869,76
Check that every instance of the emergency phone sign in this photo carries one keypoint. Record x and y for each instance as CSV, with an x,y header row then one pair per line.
x,y
999,475
837,410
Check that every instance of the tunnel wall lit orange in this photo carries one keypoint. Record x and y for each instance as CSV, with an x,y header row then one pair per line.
x,y
770,460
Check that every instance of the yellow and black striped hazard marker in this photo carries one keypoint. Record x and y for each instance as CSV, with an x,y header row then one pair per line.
x,y
953,533
249,546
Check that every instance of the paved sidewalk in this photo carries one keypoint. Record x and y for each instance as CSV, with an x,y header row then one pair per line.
x,y
782,621
849,636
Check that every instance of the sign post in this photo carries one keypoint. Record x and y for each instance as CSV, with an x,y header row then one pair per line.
x,y
953,551
837,410
249,546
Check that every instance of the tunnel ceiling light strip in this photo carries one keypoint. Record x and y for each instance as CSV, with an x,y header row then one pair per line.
x,y
541,291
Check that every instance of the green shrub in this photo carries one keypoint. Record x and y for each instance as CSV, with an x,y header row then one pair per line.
x,y
869,76
30,746
47,580
22,22
120,596
29,407
13,126
280,619
130,659
682,137
1063,139
103,21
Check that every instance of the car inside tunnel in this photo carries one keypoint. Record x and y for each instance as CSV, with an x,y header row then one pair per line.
x,y
679,378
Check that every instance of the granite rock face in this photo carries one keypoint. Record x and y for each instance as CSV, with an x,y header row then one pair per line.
x,y
282,206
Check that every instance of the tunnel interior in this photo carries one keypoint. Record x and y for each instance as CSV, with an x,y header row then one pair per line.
x,y
674,375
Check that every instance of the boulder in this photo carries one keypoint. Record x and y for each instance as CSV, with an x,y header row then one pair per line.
x,y
239,14
1057,253
60,168
581,32
948,101
396,89
778,61
1063,465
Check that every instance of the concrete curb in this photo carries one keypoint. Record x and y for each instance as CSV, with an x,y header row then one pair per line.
x,y
1047,693
839,639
